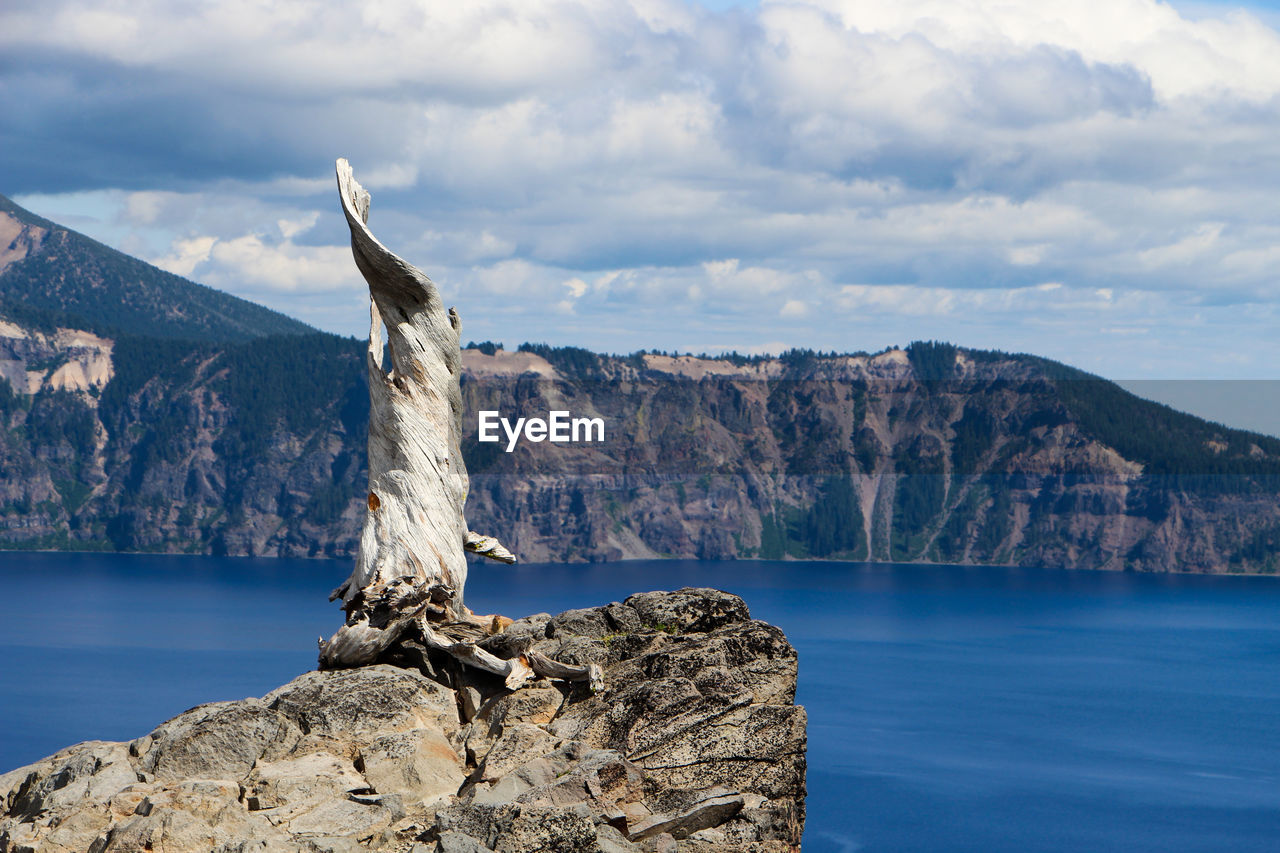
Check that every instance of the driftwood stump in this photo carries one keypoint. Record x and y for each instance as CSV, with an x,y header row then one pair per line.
x,y
411,565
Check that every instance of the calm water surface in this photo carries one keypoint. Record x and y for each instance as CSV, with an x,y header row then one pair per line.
x,y
950,709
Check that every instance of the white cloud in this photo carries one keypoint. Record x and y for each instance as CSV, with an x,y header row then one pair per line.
x,y
249,263
1003,303
146,208
657,169
290,228
185,255
1235,53
1186,250
794,308
1026,256
464,246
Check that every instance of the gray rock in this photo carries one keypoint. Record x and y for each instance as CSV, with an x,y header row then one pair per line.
x,y
469,702
518,743
534,625
537,704
694,744
297,783
91,771
573,776
688,610
751,656
539,773
532,775
456,842
757,748
163,829
610,840
512,828
601,779
712,810
586,622
218,741
663,843
192,815
351,703
621,618
703,711
343,819
764,823
581,650
419,764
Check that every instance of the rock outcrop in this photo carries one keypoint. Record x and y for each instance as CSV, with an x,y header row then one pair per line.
x,y
694,744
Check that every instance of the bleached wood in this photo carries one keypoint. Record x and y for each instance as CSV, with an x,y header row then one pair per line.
x,y
514,672
545,667
411,569
414,524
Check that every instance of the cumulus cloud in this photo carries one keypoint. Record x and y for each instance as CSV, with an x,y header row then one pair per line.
x,y
186,254
653,173
250,261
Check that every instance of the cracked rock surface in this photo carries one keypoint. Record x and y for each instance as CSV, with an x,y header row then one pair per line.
x,y
695,743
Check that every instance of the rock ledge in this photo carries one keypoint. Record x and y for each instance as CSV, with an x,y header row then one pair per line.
x,y
694,744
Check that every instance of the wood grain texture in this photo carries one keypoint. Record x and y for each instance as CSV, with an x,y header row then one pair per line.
x,y
411,566
414,525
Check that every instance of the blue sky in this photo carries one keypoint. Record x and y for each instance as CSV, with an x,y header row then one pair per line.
x,y
1096,183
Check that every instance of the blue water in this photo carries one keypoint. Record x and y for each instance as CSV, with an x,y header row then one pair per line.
x,y
950,709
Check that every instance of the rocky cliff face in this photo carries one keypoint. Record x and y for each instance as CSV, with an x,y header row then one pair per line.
x,y
694,744
930,455
933,454
172,446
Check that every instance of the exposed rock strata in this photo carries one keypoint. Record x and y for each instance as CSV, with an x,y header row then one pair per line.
x,y
694,744
705,459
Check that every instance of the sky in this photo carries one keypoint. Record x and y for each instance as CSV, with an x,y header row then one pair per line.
x,y
1095,183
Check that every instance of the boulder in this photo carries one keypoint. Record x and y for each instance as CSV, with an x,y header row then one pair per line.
x,y
87,772
419,764
688,610
517,744
219,741
357,704
297,783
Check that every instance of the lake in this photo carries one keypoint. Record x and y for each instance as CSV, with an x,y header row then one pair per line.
x,y
950,708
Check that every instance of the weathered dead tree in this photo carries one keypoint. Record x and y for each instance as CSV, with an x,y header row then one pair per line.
x,y
411,565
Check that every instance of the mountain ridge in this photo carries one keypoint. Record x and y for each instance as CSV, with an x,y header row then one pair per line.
x,y
51,275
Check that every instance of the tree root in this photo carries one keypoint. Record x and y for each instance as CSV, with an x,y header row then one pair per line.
x,y
404,608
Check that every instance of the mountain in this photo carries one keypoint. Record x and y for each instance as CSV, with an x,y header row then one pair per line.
x,y
238,439
51,276
932,454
